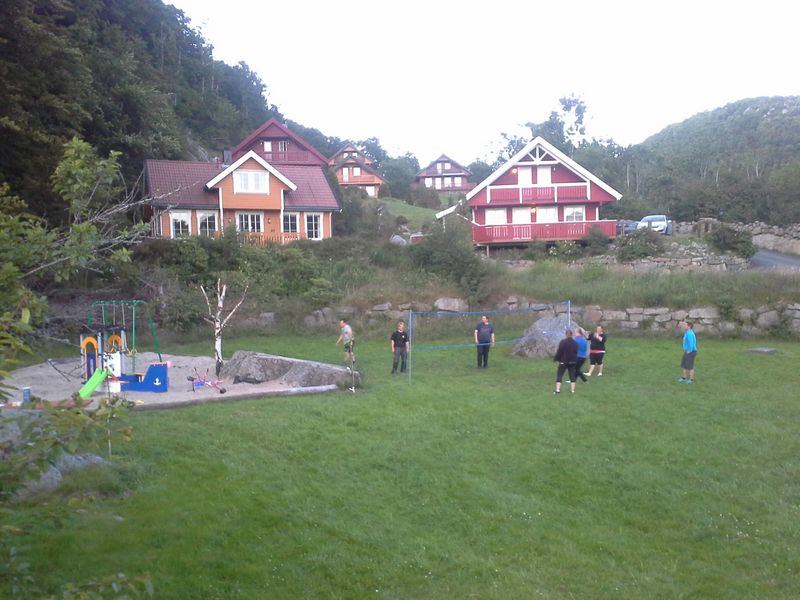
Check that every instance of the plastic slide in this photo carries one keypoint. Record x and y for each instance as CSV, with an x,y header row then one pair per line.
x,y
98,377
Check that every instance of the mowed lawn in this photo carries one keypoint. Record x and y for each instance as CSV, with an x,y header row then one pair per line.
x,y
460,483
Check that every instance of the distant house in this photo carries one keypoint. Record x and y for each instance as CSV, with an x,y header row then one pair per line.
x,y
538,194
275,190
354,169
444,175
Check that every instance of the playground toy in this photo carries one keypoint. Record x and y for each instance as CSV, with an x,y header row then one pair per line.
x,y
107,349
204,381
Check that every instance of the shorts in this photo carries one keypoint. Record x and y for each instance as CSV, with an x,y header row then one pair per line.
x,y
596,358
348,347
687,362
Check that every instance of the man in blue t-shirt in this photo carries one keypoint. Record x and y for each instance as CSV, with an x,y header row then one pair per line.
x,y
484,339
689,353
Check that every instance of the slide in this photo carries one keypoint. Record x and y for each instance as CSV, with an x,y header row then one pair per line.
x,y
98,377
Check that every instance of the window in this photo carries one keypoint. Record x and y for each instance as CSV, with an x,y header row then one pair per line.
x,y
207,223
267,146
439,167
446,166
574,213
448,182
356,171
249,222
345,173
428,182
283,146
438,183
290,223
314,227
495,216
547,214
457,181
251,182
179,224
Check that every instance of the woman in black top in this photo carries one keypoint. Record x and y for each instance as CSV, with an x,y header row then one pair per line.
x,y
597,350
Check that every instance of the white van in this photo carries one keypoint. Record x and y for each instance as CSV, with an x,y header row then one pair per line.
x,y
658,223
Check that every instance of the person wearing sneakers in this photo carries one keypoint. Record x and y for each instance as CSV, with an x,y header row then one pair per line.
x,y
597,350
689,353
566,357
583,352
348,339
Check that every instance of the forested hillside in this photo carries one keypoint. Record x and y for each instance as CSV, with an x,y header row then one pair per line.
x,y
125,75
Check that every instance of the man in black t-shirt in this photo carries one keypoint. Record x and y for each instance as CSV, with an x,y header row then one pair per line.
x,y
484,339
400,348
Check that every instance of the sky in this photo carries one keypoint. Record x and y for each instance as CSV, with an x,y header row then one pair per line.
x,y
450,77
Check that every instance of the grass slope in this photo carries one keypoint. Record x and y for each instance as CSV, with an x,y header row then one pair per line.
x,y
460,483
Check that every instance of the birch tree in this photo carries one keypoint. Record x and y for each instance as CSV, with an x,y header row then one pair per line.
x,y
215,310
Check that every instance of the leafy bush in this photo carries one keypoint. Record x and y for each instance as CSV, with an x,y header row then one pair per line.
x,y
727,239
566,250
639,244
597,242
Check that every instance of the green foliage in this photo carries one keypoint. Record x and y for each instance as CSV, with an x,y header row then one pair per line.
x,y
566,250
448,253
639,244
399,173
424,196
597,242
737,241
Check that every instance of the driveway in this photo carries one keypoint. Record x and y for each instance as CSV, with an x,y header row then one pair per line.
x,y
767,259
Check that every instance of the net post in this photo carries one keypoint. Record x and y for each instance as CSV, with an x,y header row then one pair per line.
x,y
410,340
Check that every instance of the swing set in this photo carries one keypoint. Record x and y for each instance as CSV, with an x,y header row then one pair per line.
x,y
103,354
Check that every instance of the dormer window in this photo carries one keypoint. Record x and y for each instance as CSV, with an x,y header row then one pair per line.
x,y
446,166
283,145
439,167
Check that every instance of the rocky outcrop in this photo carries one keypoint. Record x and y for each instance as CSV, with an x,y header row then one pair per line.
x,y
256,367
541,339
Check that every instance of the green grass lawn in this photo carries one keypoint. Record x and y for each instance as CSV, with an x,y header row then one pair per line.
x,y
457,483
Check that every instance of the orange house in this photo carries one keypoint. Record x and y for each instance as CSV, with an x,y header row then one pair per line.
x,y
355,169
266,201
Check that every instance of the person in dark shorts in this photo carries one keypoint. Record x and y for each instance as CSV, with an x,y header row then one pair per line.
x,y
484,340
347,338
597,351
566,357
689,353
400,348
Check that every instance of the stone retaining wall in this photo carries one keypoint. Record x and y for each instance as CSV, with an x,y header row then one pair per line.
x,y
769,237
745,322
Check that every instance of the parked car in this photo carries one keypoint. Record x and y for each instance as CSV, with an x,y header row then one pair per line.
x,y
626,226
658,223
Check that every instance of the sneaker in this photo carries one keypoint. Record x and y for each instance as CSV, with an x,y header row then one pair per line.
x,y
682,380
556,392
690,381
599,374
588,374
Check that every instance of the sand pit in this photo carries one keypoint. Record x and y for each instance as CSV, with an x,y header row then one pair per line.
x,y
59,379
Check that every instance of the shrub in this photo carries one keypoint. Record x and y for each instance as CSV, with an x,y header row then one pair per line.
x,y
727,239
639,244
597,242
566,250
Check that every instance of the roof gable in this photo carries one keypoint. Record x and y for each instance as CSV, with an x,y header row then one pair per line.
x,y
275,129
539,151
252,155
455,168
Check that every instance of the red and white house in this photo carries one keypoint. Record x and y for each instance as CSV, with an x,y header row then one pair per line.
x,y
275,190
444,175
539,194
355,169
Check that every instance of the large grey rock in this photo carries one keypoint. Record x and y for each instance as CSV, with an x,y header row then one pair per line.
x,y
397,240
541,339
450,304
256,367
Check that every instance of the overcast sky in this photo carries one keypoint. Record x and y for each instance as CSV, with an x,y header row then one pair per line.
x,y
441,76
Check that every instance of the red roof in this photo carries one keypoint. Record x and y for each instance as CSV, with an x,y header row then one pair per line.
x,y
313,190
455,169
183,184
283,131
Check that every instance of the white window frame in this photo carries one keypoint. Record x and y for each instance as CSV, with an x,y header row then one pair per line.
x,y
291,216
370,189
283,145
320,222
438,183
184,216
524,176
457,181
345,173
206,214
356,171
267,145
246,181
575,214
447,166
543,175
521,215
428,182
448,182
496,216
249,219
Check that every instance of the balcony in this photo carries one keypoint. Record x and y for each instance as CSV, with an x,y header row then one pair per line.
x,y
513,194
292,157
546,232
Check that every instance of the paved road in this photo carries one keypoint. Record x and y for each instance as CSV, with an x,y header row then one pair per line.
x,y
766,259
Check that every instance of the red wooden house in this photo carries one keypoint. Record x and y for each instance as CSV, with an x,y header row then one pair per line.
x,y
538,194
444,175
353,168
275,189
